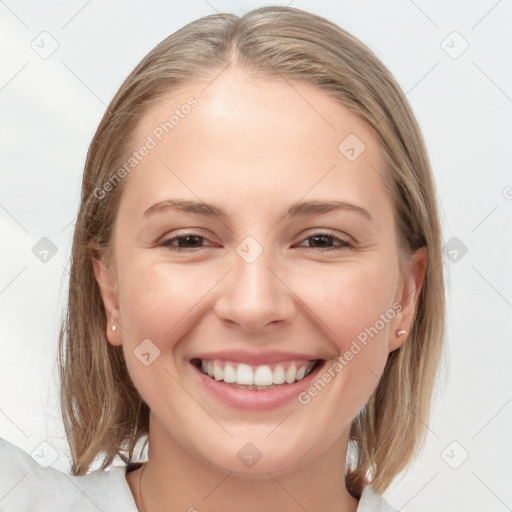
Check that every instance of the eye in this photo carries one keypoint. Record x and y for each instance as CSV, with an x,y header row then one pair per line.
x,y
185,242
323,240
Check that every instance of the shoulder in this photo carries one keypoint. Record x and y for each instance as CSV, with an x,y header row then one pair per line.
x,y
370,501
27,486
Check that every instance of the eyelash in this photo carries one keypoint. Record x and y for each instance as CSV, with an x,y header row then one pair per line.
x,y
344,244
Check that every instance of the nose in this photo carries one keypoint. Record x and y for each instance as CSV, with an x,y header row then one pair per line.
x,y
254,296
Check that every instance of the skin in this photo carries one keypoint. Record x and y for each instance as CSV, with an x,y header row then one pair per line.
x,y
253,147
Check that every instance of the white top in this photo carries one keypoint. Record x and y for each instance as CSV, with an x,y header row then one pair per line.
x,y
26,486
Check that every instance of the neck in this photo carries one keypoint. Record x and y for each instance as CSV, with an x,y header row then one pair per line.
x,y
175,480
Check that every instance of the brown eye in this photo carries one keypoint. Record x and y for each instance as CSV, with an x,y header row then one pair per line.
x,y
184,242
324,241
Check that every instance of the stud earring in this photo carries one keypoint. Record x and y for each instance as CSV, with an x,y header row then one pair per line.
x,y
113,327
400,332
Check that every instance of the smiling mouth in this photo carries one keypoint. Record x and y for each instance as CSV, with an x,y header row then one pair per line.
x,y
256,377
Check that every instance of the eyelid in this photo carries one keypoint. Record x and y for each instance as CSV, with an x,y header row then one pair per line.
x,y
344,243
328,232
165,241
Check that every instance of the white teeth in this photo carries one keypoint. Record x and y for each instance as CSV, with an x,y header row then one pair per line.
x,y
229,374
262,378
291,373
218,374
279,375
244,374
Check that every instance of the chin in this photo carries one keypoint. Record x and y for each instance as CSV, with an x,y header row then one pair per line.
x,y
254,459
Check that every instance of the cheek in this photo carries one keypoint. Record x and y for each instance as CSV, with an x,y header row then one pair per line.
x,y
157,304
156,299
355,304
350,300
356,310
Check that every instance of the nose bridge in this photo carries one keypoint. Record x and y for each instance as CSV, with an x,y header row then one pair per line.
x,y
253,282
252,276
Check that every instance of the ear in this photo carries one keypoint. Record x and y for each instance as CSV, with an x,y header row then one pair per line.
x,y
408,298
107,283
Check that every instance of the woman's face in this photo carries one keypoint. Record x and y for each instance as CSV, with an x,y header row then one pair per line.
x,y
257,282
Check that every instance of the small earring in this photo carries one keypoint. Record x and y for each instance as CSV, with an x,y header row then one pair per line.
x,y
400,332
113,327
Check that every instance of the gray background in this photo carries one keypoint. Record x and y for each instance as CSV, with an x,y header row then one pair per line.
x,y
52,103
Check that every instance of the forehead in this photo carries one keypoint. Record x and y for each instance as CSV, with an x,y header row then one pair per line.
x,y
252,142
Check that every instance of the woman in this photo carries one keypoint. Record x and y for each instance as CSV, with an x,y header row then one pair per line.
x,y
256,285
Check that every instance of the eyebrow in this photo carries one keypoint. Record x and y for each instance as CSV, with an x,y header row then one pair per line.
x,y
296,210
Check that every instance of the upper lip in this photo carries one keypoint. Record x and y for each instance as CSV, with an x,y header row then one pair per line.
x,y
254,358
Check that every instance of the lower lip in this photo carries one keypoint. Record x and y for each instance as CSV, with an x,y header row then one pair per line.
x,y
258,400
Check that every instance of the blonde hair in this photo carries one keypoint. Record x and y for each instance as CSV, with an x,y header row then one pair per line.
x,y
102,411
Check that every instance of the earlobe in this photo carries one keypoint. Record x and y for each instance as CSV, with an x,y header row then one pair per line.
x,y
409,295
396,339
114,333
108,288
